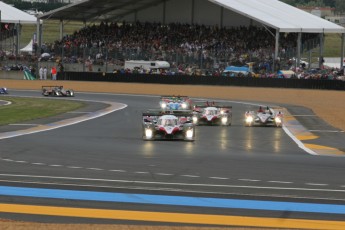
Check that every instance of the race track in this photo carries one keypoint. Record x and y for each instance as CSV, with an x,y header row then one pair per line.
x,y
102,163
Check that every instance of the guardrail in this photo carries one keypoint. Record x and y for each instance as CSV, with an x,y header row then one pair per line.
x,y
204,80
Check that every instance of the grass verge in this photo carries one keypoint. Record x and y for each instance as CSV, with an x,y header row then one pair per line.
x,y
26,109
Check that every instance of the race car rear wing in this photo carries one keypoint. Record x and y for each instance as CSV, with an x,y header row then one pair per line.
x,y
213,105
177,113
174,97
52,86
205,104
151,117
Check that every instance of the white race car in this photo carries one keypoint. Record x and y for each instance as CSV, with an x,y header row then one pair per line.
x,y
212,114
168,125
264,117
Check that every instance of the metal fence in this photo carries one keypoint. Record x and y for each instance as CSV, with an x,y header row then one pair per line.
x,y
106,60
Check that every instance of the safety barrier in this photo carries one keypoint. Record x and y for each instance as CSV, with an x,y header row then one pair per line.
x,y
204,80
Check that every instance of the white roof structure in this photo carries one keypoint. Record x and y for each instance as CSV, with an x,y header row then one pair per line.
x,y
280,16
10,14
229,13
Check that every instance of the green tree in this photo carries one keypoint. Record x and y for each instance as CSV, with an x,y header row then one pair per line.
x,y
290,2
340,6
330,3
318,3
314,3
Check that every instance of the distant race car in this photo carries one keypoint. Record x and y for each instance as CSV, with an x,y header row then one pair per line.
x,y
57,91
3,90
168,125
264,117
175,103
211,113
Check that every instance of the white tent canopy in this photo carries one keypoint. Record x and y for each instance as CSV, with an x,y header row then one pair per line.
x,y
10,14
280,16
27,48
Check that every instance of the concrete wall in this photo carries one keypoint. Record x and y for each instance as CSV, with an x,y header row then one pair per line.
x,y
17,75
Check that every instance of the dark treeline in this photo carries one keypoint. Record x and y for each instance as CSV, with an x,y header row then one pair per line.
x,y
339,5
321,3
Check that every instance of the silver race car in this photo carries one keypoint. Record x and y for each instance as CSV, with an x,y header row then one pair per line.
x,y
168,125
212,114
263,117
57,91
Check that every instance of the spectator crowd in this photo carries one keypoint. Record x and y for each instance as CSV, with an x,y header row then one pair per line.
x,y
182,45
190,49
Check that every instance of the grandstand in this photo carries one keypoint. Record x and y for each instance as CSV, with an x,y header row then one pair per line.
x,y
268,30
275,17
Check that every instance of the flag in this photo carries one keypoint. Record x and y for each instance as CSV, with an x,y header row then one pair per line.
x,y
28,75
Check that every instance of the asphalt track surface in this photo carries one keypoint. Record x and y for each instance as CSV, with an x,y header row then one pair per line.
x,y
102,165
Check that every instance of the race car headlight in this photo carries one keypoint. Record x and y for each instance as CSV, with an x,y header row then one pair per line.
x,y
278,120
163,105
148,133
184,106
249,119
224,120
71,93
195,119
189,133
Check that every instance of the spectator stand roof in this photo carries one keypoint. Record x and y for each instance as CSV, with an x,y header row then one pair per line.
x,y
90,10
281,16
271,13
10,14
